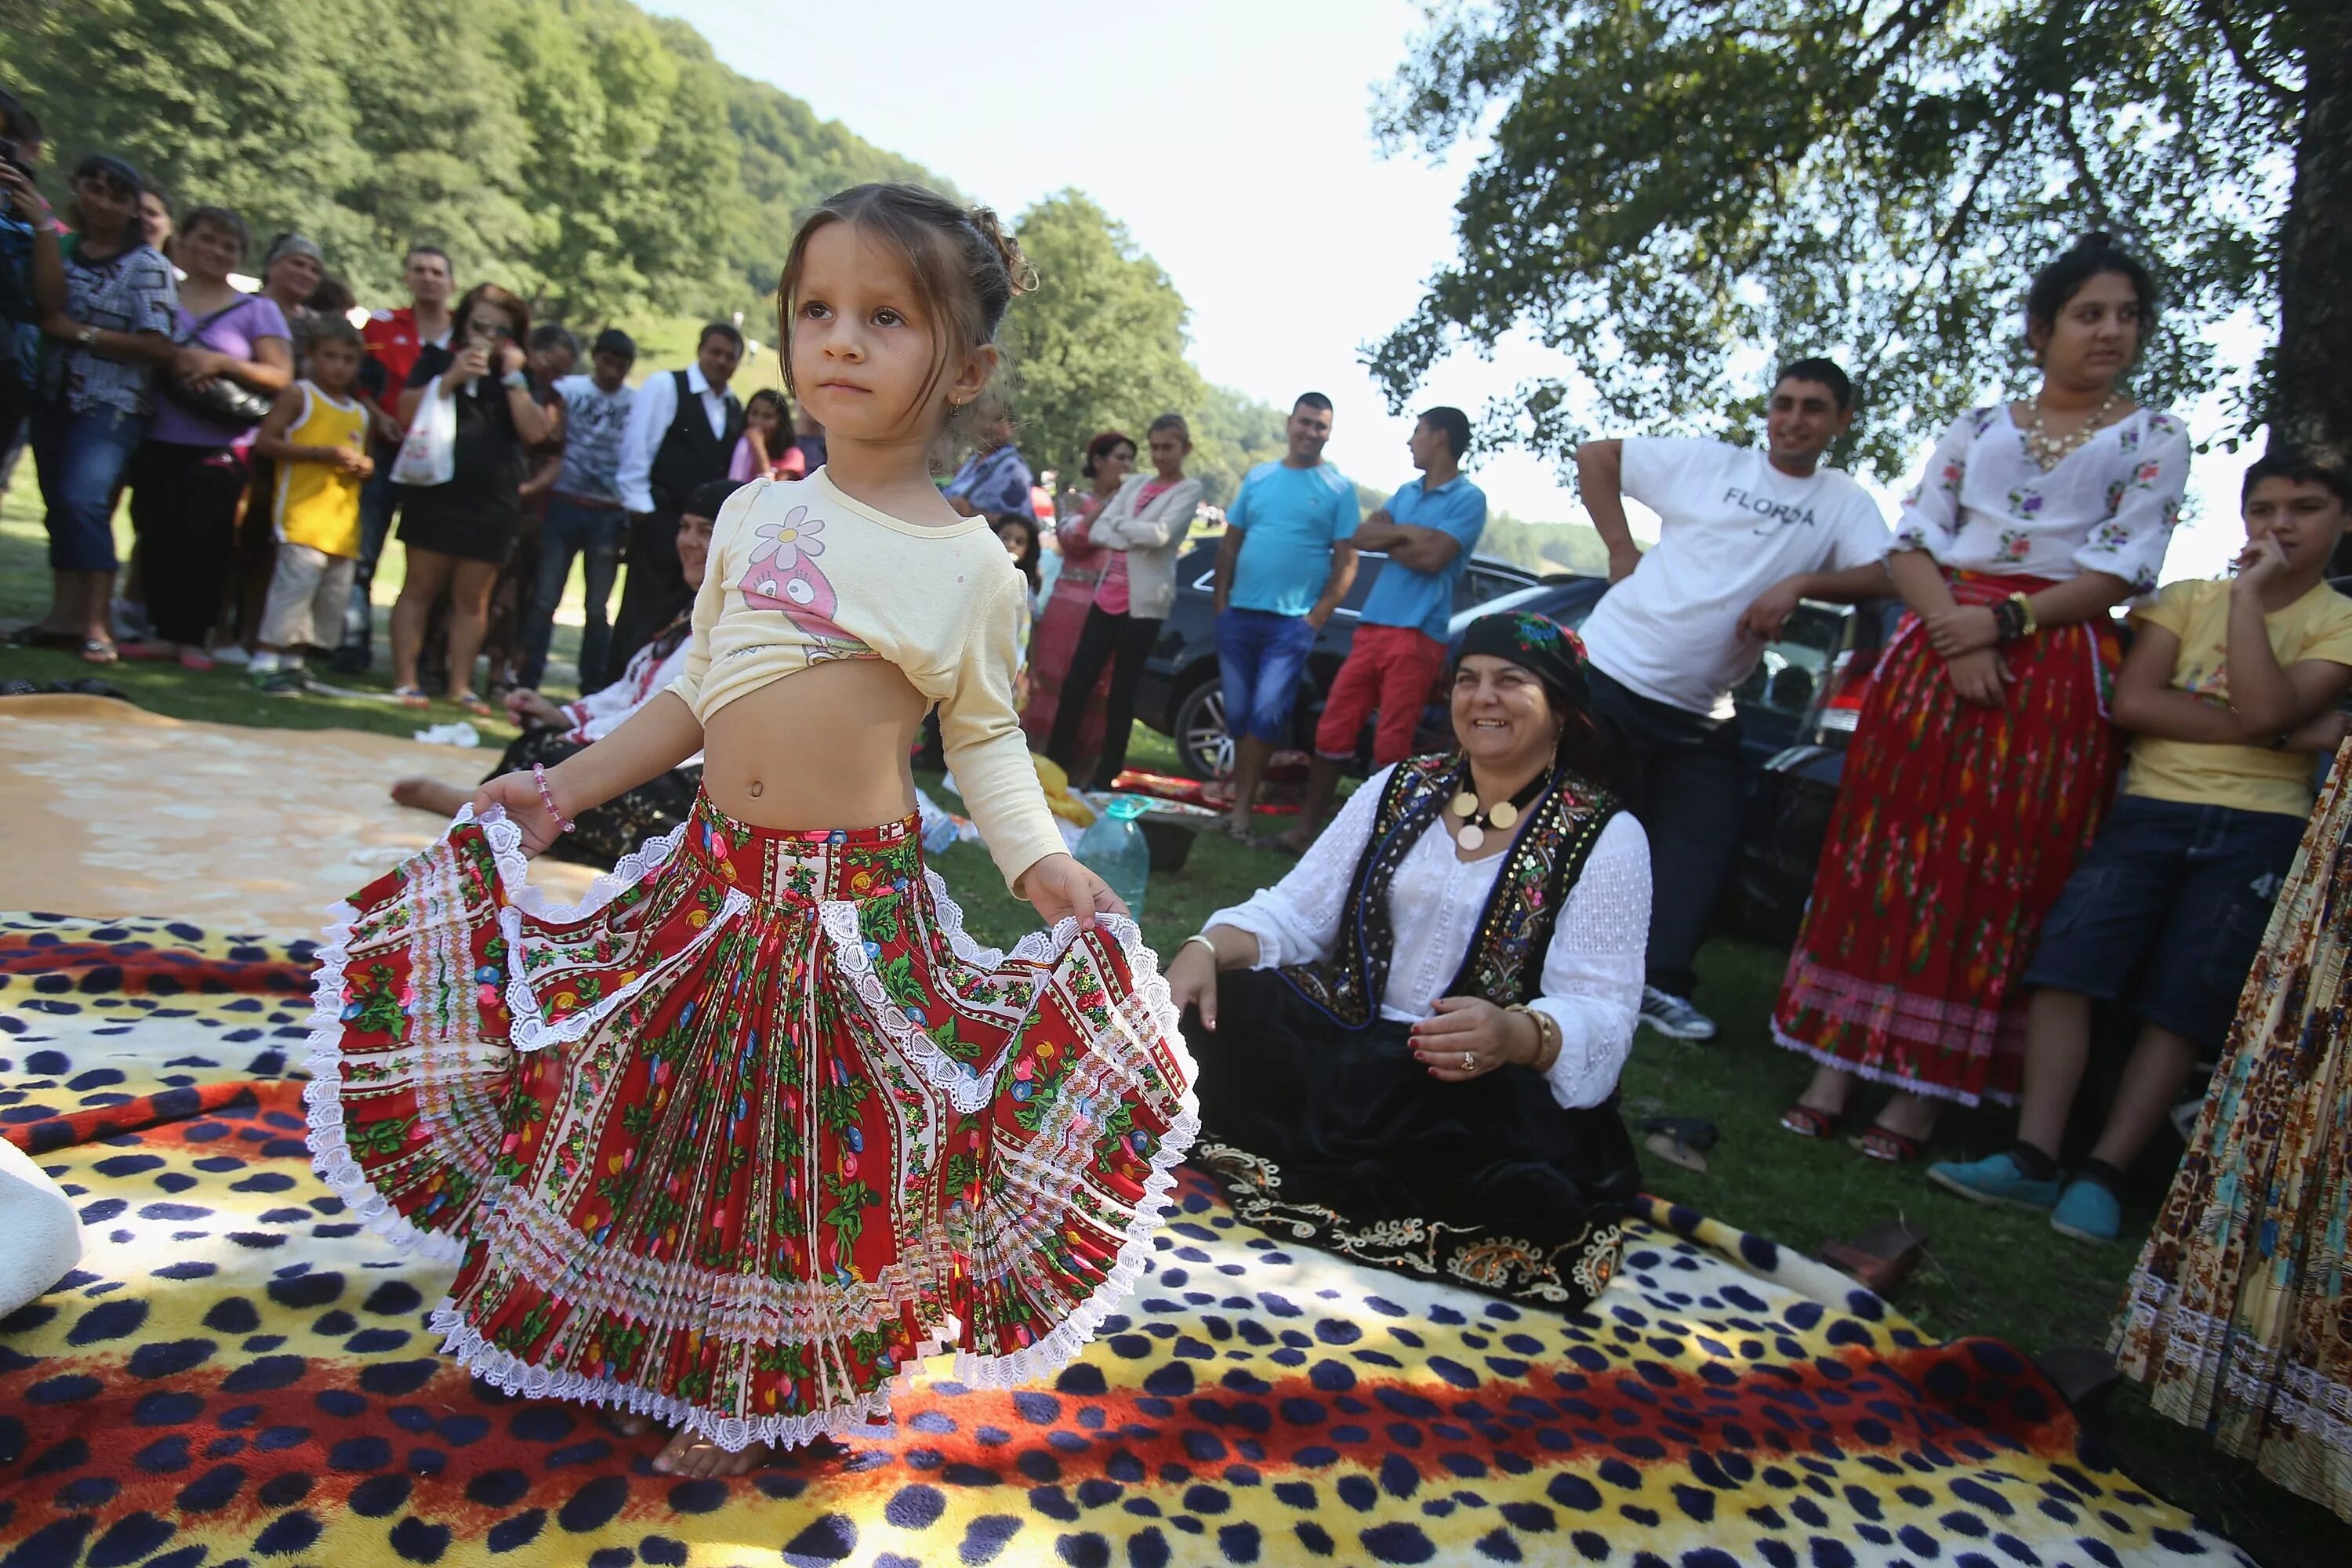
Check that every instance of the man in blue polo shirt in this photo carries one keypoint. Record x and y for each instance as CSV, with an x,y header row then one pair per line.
x,y
1283,567
1427,531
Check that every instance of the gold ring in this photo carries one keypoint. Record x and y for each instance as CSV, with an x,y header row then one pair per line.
x,y
1469,1062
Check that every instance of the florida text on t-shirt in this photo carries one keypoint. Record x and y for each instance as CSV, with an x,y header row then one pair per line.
x,y
1730,525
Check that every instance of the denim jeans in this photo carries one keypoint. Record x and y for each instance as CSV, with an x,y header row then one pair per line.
x,y
1682,771
81,458
593,533
2165,911
1260,657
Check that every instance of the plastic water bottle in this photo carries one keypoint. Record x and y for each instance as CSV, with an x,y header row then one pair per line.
x,y
1113,849
940,831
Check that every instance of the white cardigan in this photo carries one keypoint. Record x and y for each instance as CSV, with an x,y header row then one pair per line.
x,y
1152,538
1592,969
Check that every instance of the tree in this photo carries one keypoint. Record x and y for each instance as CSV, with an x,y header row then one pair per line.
x,y
592,158
1231,433
1100,344
1680,191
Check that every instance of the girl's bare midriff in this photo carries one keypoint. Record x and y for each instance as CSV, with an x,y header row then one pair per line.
x,y
827,747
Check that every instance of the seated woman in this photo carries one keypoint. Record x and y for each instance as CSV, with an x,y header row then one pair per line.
x,y
1409,1047
552,731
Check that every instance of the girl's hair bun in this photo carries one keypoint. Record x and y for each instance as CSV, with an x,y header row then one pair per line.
x,y
1017,266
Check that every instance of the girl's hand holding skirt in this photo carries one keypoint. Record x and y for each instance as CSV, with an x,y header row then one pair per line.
x,y
756,1127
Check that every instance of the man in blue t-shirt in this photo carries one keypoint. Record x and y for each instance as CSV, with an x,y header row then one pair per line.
x,y
1283,567
1427,531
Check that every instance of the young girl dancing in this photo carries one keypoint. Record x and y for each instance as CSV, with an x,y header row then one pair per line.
x,y
754,1129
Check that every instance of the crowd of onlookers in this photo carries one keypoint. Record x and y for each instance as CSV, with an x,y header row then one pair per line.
x,y
2033,821
257,434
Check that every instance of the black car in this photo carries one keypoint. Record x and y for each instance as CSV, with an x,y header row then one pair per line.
x,y
1773,702
1796,710
1181,697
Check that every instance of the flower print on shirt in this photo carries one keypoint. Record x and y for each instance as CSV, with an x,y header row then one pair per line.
x,y
2015,544
2024,502
783,576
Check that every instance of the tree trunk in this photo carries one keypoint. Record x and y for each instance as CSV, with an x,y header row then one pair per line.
x,y
2310,394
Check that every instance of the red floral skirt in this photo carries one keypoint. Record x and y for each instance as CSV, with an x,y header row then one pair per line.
x,y
1956,827
752,1129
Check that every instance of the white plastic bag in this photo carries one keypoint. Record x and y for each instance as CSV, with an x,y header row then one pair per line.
x,y
428,453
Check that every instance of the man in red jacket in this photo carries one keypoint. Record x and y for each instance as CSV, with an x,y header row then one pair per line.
x,y
394,338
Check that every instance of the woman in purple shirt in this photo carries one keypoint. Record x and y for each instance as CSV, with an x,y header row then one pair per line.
x,y
191,470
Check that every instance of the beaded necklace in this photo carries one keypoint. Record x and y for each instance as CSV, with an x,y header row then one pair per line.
x,y
2048,451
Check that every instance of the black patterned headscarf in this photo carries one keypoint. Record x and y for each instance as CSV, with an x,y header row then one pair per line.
x,y
1538,645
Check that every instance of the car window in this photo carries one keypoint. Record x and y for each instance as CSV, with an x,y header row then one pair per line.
x,y
1367,571
1479,585
1784,680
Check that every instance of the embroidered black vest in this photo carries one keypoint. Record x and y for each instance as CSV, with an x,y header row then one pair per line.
x,y
689,454
1506,959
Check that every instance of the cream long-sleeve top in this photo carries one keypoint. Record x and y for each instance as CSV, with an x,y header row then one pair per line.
x,y
801,575
1592,969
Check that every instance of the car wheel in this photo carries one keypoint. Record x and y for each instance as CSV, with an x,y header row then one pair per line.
x,y
1203,749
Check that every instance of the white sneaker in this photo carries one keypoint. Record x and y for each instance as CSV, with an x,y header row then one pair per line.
x,y
232,653
1673,1016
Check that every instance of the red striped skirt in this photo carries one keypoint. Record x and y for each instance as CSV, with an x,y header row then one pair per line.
x,y
1956,827
750,1132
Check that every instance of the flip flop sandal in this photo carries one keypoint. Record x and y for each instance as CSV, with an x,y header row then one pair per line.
x,y
1881,1258
473,705
411,697
1806,1122
1886,1145
1680,1139
98,651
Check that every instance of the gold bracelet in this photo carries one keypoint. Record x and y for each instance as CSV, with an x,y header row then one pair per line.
x,y
2026,625
1546,1035
1203,940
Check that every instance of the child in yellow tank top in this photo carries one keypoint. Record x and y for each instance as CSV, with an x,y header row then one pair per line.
x,y
317,436
797,1131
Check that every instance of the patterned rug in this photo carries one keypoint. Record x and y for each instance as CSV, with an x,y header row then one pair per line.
x,y
238,1374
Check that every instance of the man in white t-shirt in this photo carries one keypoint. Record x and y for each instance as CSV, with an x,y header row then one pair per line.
x,y
1743,534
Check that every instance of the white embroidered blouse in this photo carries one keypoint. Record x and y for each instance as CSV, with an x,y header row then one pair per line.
x,y
1591,972
605,710
1985,505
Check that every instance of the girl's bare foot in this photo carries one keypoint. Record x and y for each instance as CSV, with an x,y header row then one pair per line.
x,y
430,794
688,1455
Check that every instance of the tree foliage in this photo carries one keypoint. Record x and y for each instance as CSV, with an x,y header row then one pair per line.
x,y
1679,191
578,150
1101,345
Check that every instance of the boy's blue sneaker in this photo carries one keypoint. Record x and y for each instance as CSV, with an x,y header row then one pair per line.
x,y
2087,1212
1994,1178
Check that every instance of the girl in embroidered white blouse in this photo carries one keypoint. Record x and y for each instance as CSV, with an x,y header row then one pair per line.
x,y
1425,1019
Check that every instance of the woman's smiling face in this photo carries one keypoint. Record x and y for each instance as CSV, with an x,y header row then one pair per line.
x,y
1502,714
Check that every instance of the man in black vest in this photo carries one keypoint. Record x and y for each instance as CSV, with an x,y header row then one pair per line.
x,y
682,431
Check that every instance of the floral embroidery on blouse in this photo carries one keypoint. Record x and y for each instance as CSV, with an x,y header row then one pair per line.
x,y
1983,504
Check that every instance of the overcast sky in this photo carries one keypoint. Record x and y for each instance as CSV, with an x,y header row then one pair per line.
x,y
1233,137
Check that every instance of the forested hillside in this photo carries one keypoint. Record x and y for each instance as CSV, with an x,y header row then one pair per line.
x,y
578,150
594,159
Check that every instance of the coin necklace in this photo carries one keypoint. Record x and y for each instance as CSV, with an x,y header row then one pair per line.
x,y
1471,833
2048,452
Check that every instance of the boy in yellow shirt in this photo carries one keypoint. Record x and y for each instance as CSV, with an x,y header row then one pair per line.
x,y
2228,689
316,434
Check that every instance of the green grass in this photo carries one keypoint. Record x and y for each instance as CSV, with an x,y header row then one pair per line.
x,y
1989,1273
